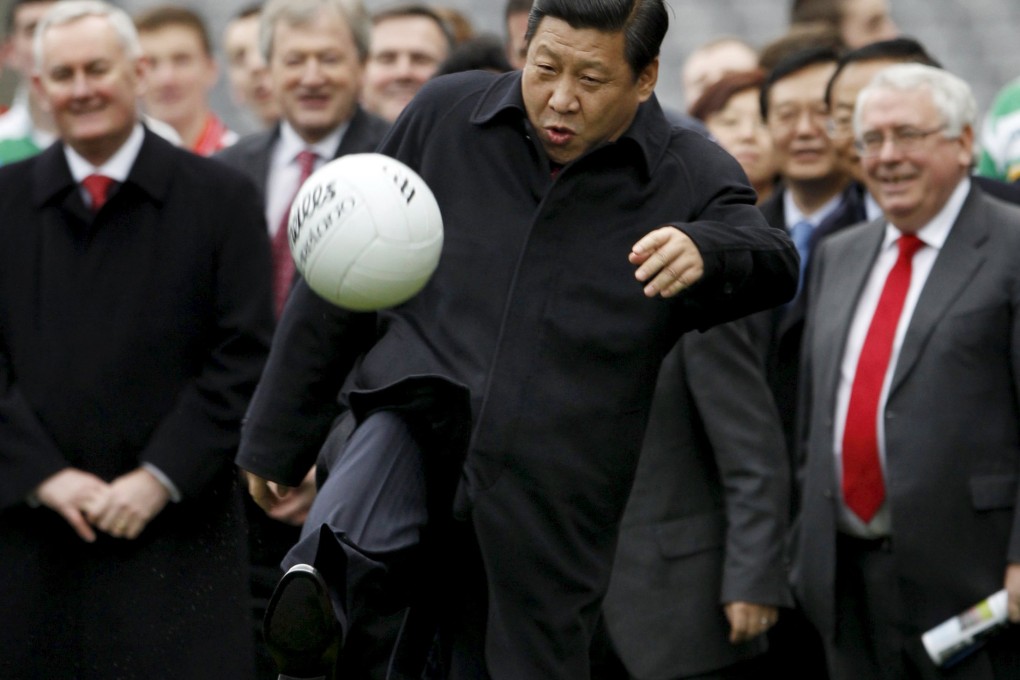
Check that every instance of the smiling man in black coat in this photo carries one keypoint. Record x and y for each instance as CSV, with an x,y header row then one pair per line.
x,y
133,327
583,235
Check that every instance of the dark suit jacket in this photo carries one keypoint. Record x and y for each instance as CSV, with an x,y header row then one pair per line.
x,y
777,332
251,153
1007,191
269,539
706,518
952,421
132,336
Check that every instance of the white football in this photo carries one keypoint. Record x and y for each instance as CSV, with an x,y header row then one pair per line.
x,y
365,232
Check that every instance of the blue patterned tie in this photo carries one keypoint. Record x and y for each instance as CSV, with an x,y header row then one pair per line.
x,y
801,235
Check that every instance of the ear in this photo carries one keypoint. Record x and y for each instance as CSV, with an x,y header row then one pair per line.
x,y
647,79
6,53
967,146
40,92
141,67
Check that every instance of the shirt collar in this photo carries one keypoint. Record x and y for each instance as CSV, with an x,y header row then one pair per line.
x,y
872,209
117,167
793,214
936,232
291,143
649,132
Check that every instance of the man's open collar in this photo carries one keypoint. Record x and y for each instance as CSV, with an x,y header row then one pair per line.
x,y
650,131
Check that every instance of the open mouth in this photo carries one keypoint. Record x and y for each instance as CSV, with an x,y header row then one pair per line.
x,y
559,135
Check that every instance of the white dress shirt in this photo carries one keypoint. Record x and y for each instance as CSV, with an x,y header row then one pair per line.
x,y
792,214
116,168
284,171
934,235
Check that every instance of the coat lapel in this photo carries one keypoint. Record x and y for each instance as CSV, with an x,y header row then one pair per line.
x,y
258,158
954,269
362,135
849,213
843,286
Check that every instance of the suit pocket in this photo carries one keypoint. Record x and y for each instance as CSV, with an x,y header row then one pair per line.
x,y
993,492
690,535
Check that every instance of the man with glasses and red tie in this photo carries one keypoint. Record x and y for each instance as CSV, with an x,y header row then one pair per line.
x,y
909,395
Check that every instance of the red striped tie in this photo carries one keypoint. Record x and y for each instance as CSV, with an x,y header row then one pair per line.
x,y
863,488
283,263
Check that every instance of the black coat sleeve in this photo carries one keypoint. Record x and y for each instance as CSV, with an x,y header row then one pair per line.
x,y
194,439
749,265
315,346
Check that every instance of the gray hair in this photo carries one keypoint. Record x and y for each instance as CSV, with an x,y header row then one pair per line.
x,y
68,11
297,12
951,96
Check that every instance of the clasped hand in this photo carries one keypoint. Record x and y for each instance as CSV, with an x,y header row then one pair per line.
x,y
121,508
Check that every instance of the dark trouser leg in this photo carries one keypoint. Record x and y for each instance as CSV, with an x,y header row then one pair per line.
x,y
363,527
868,642
606,664
547,562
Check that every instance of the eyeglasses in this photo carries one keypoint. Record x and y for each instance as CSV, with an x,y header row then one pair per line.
x,y
786,118
905,139
840,127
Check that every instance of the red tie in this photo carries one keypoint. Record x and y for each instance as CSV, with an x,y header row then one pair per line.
x,y
98,187
283,263
863,488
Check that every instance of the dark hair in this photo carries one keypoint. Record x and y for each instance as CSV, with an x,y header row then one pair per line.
x,y
171,15
900,50
644,23
12,9
718,94
416,10
249,10
799,38
516,7
828,12
792,64
485,52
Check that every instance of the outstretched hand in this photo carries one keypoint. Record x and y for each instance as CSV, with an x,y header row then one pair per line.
x,y
668,262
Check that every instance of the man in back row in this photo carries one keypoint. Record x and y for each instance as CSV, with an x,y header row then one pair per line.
x,y
26,128
571,264
182,74
315,53
408,43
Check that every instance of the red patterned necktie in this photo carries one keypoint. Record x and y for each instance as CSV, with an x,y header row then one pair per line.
x,y
98,187
863,487
283,263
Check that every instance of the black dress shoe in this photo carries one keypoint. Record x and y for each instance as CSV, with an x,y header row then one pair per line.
x,y
300,628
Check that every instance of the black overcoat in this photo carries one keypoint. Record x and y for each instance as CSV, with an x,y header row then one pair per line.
x,y
534,310
135,336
